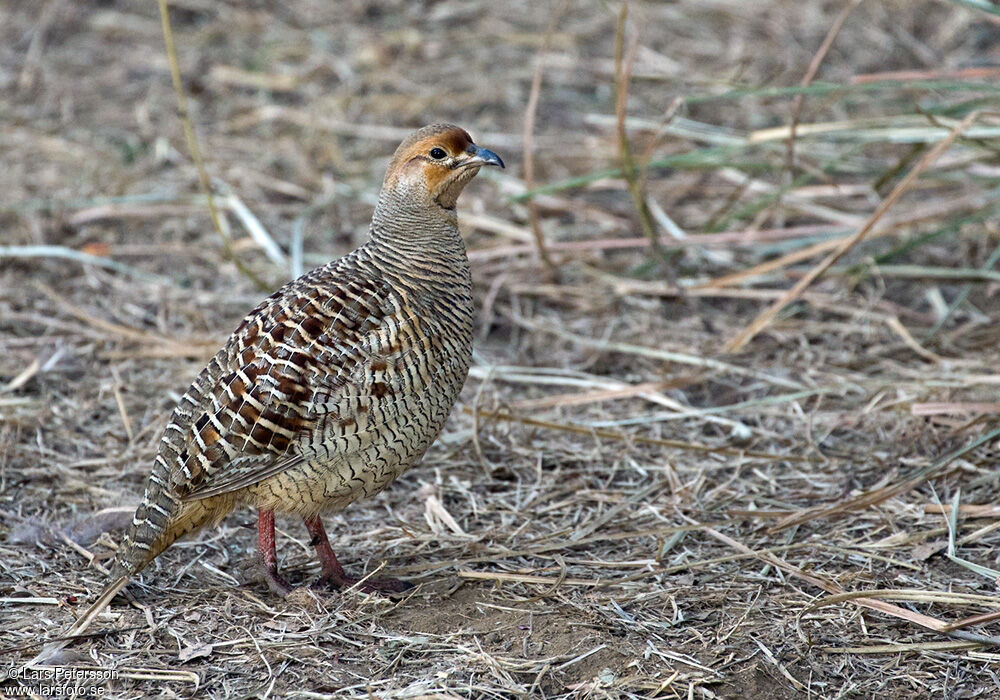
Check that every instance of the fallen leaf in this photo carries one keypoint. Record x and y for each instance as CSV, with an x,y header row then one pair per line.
x,y
195,651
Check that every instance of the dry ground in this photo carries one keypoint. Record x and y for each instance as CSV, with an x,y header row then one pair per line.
x,y
572,540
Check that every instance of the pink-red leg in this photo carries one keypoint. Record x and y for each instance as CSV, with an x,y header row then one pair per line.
x,y
333,573
268,557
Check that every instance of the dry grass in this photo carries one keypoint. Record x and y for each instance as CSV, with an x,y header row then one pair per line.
x,y
618,508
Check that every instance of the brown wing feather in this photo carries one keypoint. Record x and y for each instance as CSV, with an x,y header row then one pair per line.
x,y
290,363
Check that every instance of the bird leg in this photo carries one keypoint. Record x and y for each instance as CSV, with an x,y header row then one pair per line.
x,y
333,573
268,557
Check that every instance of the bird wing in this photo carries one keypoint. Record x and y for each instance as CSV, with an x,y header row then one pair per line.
x,y
317,351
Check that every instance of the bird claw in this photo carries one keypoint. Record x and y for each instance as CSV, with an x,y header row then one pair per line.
x,y
278,585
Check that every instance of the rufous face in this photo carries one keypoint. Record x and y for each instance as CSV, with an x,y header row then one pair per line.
x,y
444,161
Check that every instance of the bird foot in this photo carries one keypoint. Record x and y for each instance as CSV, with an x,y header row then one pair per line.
x,y
384,586
277,583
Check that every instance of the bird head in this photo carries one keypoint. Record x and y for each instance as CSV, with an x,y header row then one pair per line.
x,y
436,163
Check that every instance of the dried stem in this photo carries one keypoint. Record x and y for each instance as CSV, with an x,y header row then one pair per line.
x,y
624,60
204,181
530,112
807,79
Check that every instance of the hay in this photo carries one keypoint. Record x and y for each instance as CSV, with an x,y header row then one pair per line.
x,y
617,508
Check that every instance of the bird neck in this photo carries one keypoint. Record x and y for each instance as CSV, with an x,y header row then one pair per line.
x,y
411,230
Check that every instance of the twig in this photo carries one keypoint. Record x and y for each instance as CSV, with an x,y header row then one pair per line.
x,y
256,229
767,316
953,74
870,498
723,239
838,594
986,269
58,251
624,60
148,337
524,578
626,437
703,157
659,354
807,79
529,138
886,226
954,274
705,412
952,408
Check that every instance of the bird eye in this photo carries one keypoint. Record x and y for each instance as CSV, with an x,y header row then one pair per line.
x,y
438,153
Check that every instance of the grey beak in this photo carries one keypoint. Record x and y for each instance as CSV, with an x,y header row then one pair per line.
x,y
482,156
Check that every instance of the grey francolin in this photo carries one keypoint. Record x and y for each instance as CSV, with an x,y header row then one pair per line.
x,y
333,386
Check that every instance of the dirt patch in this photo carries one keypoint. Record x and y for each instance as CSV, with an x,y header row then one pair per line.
x,y
757,682
541,636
